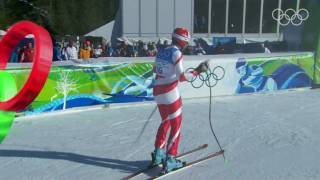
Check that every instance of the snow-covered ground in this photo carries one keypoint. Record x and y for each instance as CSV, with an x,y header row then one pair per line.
x,y
266,136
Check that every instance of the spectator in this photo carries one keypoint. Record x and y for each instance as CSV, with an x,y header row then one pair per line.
x,y
89,46
85,51
159,45
152,50
98,51
188,50
124,52
266,50
198,50
64,53
117,51
71,51
21,53
14,55
144,51
109,50
57,52
265,46
132,50
165,44
28,53
140,48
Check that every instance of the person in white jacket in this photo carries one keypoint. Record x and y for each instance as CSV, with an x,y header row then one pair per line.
x,y
71,51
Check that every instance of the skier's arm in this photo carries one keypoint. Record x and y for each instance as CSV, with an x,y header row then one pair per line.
x,y
183,76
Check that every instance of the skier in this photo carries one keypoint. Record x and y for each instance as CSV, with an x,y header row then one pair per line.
x,y
169,71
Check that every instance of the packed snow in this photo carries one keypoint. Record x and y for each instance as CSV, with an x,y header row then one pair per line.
x,y
265,136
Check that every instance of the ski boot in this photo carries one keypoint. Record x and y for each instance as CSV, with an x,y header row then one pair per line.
x,y
171,164
158,156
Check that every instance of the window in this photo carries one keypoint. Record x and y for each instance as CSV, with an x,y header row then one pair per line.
x,y
253,16
235,16
305,4
201,16
269,25
286,4
311,25
289,6
218,16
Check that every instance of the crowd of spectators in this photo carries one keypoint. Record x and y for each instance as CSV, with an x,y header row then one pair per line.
x,y
124,48
23,54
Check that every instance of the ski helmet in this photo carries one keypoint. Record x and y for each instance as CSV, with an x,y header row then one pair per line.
x,y
181,37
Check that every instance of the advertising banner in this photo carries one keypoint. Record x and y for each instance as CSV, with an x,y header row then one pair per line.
x,y
76,84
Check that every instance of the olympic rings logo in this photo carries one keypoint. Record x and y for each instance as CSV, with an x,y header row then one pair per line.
x,y
42,61
210,78
290,16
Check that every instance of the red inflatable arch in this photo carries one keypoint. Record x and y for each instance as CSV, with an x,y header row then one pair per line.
x,y
42,61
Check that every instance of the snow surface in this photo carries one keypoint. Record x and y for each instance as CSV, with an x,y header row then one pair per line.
x,y
266,136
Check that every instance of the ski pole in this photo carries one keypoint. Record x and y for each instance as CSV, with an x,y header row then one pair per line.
x,y
145,124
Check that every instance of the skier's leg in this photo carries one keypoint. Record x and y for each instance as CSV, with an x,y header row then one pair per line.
x,y
169,104
163,128
167,112
159,154
173,141
171,162
174,138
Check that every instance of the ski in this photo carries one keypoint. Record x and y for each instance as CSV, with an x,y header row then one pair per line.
x,y
178,157
188,165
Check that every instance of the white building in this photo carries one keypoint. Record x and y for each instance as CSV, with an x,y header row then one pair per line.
x,y
244,19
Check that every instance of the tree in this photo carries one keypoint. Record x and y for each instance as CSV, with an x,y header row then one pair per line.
x,y
66,85
17,10
59,17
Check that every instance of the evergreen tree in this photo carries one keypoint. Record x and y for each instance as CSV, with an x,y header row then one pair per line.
x,y
74,17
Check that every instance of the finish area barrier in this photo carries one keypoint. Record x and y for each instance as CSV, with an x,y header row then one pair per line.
x,y
116,80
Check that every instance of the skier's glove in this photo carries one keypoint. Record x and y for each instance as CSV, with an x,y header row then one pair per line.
x,y
202,67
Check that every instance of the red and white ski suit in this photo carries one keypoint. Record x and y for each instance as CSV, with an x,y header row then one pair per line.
x,y
169,71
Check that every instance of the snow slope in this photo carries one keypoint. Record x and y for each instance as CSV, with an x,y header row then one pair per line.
x,y
266,136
